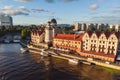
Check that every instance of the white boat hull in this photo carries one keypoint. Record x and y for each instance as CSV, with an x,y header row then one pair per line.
x,y
74,61
23,50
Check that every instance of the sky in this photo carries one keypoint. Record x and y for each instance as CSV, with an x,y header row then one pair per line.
x,y
64,11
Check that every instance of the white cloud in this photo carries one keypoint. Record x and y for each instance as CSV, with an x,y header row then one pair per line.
x,y
9,10
107,19
94,7
69,0
22,8
22,0
42,10
52,1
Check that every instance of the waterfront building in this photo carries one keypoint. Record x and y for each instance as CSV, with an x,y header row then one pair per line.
x,y
44,37
101,45
37,36
6,20
68,41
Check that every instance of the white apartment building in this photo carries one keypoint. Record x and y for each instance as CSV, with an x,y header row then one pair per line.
x,y
6,20
116,27
89,26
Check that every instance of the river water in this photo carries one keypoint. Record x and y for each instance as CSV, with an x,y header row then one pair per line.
x,y
28,66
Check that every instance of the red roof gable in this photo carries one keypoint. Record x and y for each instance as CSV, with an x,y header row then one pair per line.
x,y
37,32
107,34
69,36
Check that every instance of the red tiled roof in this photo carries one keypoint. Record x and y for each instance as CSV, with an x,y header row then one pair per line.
x,y
89,33
117,34
69,36
107,34
100,54
37,32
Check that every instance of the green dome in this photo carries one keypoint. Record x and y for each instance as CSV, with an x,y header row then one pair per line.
x,y
53,20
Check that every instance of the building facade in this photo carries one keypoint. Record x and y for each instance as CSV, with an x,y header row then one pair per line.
x,y
6,20
89,26
115,27
37,36
45,37
50,31
102,45
68,41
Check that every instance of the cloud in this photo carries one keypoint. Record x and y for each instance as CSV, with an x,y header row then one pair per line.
x,y
52,1
22,8
42,10
69,0
22,0
115,11
101,0
39,10
107,19
118,7
49,1
9,10
94,7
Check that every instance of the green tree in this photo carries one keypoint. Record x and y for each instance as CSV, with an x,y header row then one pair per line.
x,y
24,33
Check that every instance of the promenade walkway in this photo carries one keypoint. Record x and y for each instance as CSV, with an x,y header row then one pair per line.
x,y
69,56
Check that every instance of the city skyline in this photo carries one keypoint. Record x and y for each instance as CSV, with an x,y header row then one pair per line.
x,y
65,11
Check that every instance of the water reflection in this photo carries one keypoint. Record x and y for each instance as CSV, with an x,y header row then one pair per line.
x,y
29,66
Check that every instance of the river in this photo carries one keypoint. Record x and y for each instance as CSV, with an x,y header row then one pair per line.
x,y
15,65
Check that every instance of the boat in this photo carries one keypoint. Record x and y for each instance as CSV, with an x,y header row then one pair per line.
x,y
75,61
23,50
16,41
43,53
7,41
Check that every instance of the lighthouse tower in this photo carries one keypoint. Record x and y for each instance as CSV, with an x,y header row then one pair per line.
x,y
50,31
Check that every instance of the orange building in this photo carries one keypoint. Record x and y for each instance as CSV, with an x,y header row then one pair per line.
x,y
68,41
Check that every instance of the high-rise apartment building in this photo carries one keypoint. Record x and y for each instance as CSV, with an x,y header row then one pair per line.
x,y
6,20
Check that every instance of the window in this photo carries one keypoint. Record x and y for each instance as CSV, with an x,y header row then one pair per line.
x,y
113,43
103,41
109,42
100,41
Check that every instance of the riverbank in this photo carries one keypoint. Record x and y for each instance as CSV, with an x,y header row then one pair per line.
x,y
68,56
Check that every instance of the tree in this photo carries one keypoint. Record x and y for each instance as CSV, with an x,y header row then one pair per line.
x,y
24,33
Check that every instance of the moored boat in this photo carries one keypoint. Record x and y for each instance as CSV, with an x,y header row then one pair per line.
x,y
75,61
43,53
7,41
16,41
23,50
